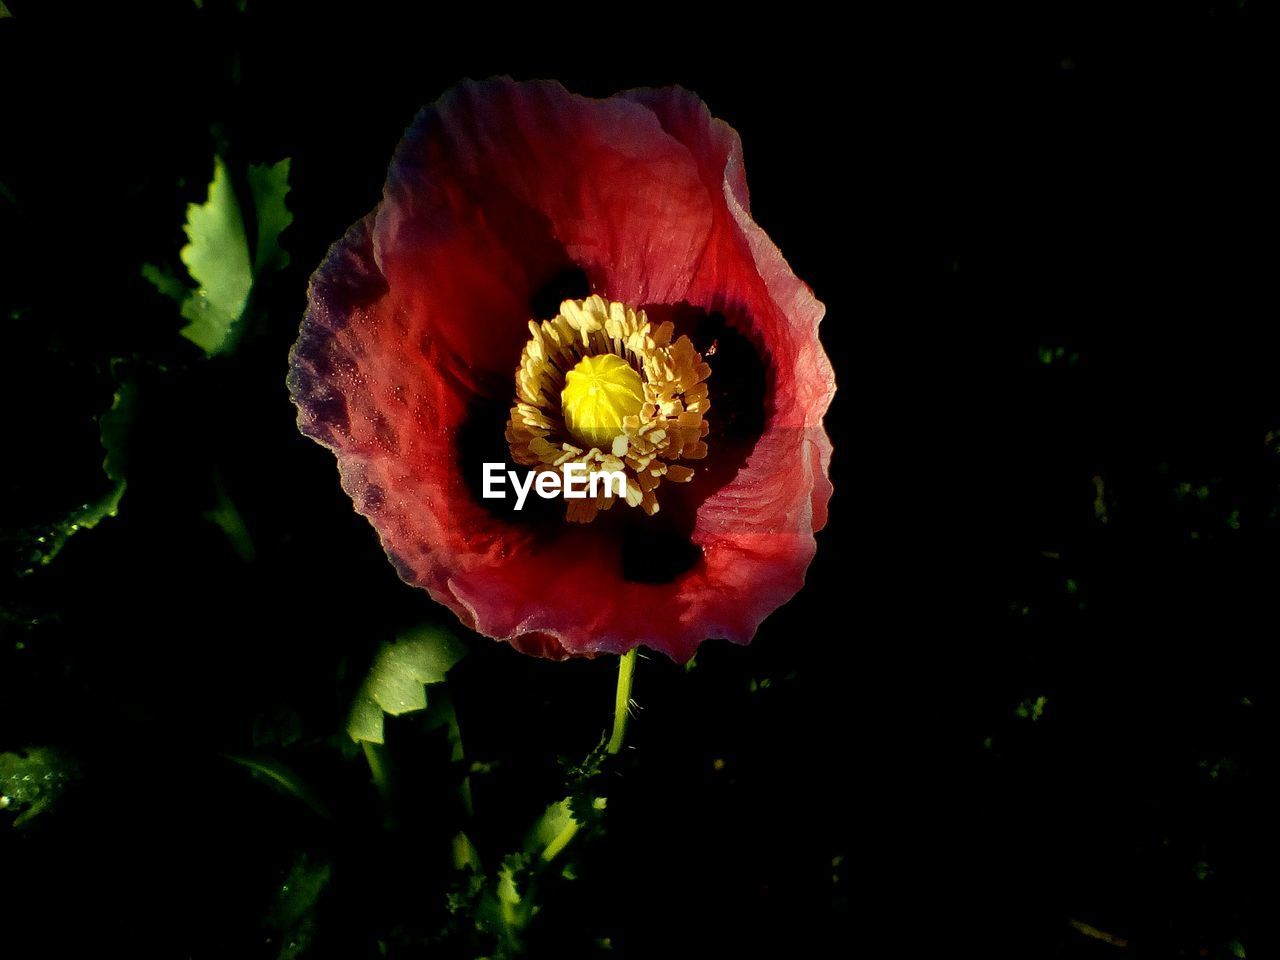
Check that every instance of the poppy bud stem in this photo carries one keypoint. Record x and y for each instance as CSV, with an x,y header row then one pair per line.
x,y
621,711
622,701
375,755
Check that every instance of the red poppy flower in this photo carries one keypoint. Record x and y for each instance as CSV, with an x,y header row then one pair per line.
x,y
551,278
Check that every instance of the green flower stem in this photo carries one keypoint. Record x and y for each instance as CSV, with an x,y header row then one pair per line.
x,y
560,841
621,711
375,754
622,700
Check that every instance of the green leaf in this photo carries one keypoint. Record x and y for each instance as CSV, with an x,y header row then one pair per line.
x,y
113,428
293,916
217,257
30,784
228,519
217,254
1032,709
465,856
162,279
285,779
584,783
441,716
85,517
551,826
269,183
400,672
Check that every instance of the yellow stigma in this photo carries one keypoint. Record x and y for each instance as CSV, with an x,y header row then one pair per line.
x,y
599,393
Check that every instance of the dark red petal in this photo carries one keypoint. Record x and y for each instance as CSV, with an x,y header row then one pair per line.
x,y
523,173
756,531
419,314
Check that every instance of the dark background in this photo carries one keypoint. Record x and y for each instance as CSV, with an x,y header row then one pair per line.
x,y
1046,259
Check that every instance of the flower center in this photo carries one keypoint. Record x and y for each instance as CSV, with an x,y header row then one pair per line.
x,y
599,393
600,385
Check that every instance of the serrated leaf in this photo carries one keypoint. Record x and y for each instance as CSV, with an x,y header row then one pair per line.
x,y
217,257
512,875
269,183
397,679
29,784
553,822
217,254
